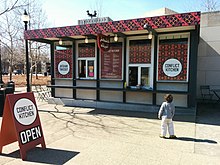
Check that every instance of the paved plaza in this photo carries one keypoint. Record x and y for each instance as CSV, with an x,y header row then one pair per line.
x,y
84,136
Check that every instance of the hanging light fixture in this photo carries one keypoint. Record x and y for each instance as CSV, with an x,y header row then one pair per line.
x,y
150,36
60,42
86,40
116,38
150,30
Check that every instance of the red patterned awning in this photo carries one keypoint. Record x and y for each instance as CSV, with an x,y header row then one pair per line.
x,y
167,21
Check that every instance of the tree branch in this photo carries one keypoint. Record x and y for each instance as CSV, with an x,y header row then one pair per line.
x,y
12,7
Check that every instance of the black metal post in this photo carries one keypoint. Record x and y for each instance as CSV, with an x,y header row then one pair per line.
x,y
52,47
1,81
98,78
27,61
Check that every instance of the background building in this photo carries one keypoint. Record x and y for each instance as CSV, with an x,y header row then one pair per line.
x,y
208,70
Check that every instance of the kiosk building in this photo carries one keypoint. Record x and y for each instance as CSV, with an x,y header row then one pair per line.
x,y
126,64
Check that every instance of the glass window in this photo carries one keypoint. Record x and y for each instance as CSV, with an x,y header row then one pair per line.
x,y
133,76
81,68
139,63
86,60
145,77
90,68
63,56
66,45
136,79
86,68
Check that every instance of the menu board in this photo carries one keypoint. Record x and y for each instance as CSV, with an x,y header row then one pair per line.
x,y
111,62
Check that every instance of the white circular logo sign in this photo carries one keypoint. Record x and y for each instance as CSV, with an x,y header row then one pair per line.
x,y
63,67
172,67
25,111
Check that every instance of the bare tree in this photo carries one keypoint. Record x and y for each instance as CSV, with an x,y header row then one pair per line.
x,y
38,20
9,31
12,31
210,5
97,6
9,5
203,5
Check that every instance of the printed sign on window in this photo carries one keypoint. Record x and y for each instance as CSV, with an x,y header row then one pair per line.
x,y
63,67
172,67
103,42
63,63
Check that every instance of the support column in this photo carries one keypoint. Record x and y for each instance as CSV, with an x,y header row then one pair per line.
x,y
155,70
194,41
74,63
52,68
124,69
97,75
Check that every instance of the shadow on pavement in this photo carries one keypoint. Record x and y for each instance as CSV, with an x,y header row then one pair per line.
x,y
196,140
149,115
47,156
208,113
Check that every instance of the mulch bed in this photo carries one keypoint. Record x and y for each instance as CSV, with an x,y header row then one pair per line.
x,y
20,80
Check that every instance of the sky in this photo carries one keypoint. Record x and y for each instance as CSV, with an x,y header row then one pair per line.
x,y
68,12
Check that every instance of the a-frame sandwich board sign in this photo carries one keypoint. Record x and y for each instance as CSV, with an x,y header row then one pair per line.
x,y
21,123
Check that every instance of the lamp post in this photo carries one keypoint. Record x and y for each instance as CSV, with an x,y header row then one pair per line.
x,y
26,19
1,82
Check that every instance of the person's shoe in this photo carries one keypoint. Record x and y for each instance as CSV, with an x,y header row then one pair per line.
x,y
161,136
172,137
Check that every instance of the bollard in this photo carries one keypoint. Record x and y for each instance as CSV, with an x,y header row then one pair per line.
x,y
11,87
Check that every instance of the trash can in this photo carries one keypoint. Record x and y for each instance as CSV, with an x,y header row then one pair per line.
x,y
2,102
10,87
9,90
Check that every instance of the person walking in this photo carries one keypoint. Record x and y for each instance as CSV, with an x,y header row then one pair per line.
x,y
166,114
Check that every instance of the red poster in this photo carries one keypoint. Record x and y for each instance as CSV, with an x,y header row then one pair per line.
x,y
21,123
86,50
173,60
111,62
140,52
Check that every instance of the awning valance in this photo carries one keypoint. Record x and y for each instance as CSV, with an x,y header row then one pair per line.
x,y
122,26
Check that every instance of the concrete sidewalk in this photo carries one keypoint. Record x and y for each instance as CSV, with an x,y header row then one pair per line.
x,y
83,136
